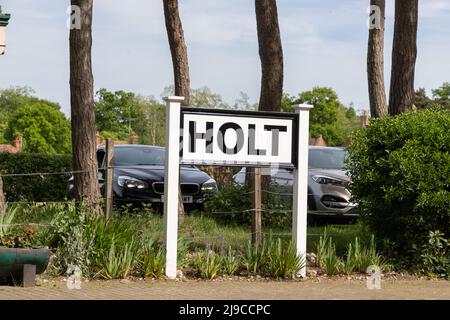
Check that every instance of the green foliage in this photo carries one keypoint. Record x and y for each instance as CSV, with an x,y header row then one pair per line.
x,y
14,98
153,260
442,96
357,258
35,188
117,262
113,110
281,260
401,176
207,263
440,99
230,262
19,239
43,127
435,255
252,257
234,200
202,97
329,118
329,261
118,112
69,232
7,215
232,206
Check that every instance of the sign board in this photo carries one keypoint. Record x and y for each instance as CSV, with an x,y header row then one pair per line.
x,y
223,137
238,138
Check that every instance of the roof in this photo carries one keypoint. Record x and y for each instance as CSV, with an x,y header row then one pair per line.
x,y
7,148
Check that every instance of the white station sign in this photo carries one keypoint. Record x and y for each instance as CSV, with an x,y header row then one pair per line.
x,y
213,137
241,138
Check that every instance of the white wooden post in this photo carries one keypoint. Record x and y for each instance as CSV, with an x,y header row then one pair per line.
x,y
171,183
300,192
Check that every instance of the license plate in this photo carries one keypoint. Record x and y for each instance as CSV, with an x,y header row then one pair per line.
x,y
186,199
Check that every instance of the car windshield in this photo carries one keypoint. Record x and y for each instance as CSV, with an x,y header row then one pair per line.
x,y
132,156
326,158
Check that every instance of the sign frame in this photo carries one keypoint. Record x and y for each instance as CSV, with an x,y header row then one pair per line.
x,y
172,178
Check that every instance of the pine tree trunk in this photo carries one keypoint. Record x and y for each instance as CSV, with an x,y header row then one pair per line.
x,y
82,110
271,55
404,53
375,64
180,64
178,49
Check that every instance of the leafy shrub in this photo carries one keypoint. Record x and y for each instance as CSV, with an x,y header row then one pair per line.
x,y
435,255
7,215
232,206
400,168
281,260
328,259
118,262
230,262
252,257
69,232
207,263
35,188
153,260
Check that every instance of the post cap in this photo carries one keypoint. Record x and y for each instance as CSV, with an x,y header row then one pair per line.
x,y
298,107
173,99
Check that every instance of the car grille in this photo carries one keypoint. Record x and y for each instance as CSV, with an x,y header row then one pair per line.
x,y
186,188
334,202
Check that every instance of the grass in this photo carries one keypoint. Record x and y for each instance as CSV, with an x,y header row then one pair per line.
x,y
130,244
198,231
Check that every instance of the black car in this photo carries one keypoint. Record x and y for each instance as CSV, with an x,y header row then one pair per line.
x,y
139,177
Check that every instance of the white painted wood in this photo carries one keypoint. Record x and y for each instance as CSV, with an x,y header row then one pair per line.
x,y
171,183
300,192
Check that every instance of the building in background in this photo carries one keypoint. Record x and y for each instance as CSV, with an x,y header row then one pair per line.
x,y
15,147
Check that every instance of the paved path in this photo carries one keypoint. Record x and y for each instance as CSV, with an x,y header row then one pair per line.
x,y
259,290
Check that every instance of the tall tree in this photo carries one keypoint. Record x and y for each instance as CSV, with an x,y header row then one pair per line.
x,y
82,108
375,59
271,55
180,63
404,54
178,49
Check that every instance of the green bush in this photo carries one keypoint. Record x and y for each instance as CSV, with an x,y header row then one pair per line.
x,y
232,205
35,188
400,168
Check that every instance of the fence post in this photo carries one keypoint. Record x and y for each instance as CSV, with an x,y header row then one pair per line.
x,y
171,183
256,204
300,188
2,196
109,172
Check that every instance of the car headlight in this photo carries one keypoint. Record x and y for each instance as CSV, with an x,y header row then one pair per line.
x,y
328,180
210,186
131,183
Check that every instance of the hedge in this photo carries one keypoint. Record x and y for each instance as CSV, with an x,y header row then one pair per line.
x,y
35,188
400,170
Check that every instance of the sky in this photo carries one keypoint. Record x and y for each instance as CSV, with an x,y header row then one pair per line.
x,y
324,44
